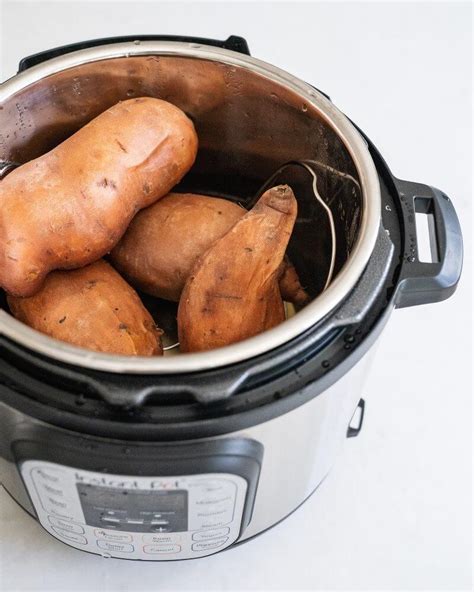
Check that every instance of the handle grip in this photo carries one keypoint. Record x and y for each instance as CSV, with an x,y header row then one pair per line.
x,y
422,282
233,43
352,431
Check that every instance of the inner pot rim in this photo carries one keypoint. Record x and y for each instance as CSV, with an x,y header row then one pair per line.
x,y
254,346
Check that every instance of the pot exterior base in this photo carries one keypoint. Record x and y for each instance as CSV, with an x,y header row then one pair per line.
x,y
299,449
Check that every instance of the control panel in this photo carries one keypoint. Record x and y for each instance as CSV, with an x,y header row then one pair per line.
x,y
147,518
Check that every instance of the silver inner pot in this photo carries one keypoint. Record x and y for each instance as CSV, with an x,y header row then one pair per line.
x,y
250,118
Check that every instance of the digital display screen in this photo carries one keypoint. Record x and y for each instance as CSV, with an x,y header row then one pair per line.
x,y
134,510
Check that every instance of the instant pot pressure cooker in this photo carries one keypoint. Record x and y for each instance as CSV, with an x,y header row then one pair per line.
x,y
182,456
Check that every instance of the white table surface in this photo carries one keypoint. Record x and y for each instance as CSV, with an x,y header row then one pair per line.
x,y
395,513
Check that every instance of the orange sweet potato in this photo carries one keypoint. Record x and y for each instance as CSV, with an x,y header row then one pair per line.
x,y
70,207
92,307
231,292
162,243
290,286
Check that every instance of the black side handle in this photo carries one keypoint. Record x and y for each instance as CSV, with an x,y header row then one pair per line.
x,y
428,282
352,432
233,43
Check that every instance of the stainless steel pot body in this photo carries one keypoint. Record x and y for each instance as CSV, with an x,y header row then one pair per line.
x,y
299,449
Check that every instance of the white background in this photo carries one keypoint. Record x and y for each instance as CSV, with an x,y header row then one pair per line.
x,y
395,513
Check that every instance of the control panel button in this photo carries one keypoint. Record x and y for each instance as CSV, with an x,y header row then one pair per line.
x,y
60,508
58,504
52,490
212,512
43,475
206,546
161,549
213,488
70,536
212,523
161,538
115,547
220,487
62,515
115,537
215,500
213,518
214,533
65,525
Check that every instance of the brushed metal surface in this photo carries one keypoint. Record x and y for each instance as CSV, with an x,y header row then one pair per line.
x,y
300,448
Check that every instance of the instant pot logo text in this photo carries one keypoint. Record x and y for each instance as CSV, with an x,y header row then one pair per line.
x,y
125,483
107,482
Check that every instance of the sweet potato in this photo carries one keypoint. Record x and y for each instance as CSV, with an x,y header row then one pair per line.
x,y
70,207
163,241
230,294
290,287
161,245
92,307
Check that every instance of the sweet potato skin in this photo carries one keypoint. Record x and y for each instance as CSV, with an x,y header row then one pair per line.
x,y
290,287
161,245
70,207
92,307
163,242
232,293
